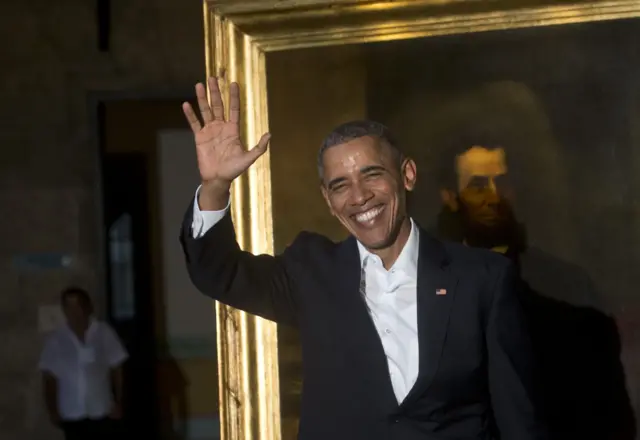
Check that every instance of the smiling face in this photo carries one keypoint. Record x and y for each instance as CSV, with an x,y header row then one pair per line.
x,y
365,188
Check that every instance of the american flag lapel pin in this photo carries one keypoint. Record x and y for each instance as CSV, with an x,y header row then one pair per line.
x,y
441,291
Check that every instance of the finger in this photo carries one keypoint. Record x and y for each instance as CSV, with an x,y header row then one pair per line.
x,y
216,99
205,110
234,103
259,149
195,124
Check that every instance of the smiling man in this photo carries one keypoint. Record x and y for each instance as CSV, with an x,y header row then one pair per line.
x,y
364,179
404,337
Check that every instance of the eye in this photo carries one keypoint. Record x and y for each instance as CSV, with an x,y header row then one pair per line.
x,y
372,175
478,182
338,188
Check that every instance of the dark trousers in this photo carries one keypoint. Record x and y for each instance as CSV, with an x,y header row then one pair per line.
x,y
87,429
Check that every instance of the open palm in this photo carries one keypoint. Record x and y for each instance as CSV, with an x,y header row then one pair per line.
x,y
221,155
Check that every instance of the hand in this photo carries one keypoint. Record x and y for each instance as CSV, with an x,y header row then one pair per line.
x,y
221,155
116,412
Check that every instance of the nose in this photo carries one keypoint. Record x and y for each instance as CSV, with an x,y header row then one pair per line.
x,y
491,185
492,196
360,194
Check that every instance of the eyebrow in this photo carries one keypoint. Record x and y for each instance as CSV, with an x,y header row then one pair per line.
x,y
364,170
370,168
336,181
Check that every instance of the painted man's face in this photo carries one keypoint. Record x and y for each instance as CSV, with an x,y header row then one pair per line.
x,y
482,190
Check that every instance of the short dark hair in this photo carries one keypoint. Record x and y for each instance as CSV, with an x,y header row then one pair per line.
x,y
78,292
445,173
357,129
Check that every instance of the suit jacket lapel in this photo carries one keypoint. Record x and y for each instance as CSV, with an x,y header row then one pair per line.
x,y
360,326
435,295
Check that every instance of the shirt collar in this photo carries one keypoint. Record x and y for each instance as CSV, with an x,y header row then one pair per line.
x,y
407,260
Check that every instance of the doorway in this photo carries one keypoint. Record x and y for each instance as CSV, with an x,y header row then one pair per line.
x,y
171,388
129,294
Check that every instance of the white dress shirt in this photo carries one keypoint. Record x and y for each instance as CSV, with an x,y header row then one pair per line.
x,y
392,299
82,369
390,294
205,220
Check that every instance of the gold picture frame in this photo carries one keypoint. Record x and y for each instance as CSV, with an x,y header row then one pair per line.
x,y
238,35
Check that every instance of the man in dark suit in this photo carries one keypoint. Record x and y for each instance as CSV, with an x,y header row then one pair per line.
x,y
403,336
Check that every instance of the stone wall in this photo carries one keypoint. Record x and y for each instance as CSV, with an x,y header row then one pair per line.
x,y
49,181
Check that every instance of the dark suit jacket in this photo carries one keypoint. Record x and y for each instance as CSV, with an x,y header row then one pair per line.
x,y
475,355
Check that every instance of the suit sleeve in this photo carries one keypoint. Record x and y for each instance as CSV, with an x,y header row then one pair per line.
x,y
511,363
257,284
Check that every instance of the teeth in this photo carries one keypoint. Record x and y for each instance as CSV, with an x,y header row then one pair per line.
x,y
369,215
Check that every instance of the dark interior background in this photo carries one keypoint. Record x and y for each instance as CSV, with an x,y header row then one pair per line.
x,y
564,103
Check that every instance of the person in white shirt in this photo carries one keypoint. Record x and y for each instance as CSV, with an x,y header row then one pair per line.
x,y
81,364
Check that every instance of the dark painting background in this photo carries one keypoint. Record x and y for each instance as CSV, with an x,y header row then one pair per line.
x,y
564,103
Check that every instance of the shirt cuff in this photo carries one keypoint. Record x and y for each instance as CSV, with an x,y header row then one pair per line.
x,y
205,220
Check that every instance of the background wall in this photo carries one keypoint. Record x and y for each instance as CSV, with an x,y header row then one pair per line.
x,y
184,320
188,313
189,361
48,156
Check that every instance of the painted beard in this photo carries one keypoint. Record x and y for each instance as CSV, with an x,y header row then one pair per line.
x,y
501,232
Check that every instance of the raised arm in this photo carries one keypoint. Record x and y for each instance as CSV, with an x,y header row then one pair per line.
x,y
511,363
258,284
217,266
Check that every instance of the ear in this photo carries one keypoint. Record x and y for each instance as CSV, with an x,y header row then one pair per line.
x,y
325,195
449,199
409,174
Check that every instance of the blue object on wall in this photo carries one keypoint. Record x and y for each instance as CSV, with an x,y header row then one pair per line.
x,y
40,261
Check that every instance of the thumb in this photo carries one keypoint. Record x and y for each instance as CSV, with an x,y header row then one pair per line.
x,y
260,149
